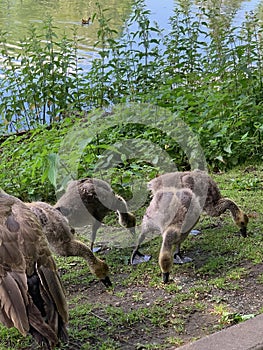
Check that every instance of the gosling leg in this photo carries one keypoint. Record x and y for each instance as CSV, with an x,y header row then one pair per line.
x,y
95,228
179,259
137,257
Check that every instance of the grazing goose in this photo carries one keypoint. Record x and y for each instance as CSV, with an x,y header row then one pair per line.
x,y
60,236
173,212
88,201
32,298
211,200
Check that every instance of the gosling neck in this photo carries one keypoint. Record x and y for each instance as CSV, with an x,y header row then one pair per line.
x,y
227,204
84,251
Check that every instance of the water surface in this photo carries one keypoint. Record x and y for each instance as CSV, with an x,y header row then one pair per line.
x,y
17,16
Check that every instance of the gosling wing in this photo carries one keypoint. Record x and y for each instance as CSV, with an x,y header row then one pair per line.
x,y
32,298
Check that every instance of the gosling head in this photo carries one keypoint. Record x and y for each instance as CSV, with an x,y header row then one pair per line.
x,y
106,281
166,263
127,220
101,270
241,221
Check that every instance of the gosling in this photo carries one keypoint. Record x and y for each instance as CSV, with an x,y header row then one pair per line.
x,y
32,298
172,212
88,201
210,198
60,236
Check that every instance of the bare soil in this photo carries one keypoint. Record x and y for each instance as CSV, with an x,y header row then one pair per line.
x,y
186,321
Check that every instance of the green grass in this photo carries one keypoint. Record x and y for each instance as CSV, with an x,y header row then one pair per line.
x,y
139,312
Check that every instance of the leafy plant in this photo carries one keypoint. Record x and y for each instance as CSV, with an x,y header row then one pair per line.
x,y
234,318
209,74
40,82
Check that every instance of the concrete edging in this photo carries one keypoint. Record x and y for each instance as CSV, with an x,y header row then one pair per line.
x,y
247,335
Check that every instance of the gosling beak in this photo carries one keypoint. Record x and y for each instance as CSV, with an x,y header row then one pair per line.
x,y
165,277
243,231
106,281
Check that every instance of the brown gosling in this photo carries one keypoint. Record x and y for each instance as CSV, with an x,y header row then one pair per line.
x,y
32,298
172,212
88,201
60,236
210,198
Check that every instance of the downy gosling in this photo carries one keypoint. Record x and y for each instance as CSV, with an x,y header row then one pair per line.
x,y
173,213
88,201
60,236
210,198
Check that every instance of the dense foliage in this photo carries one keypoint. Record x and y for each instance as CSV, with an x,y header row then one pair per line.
x,y
206,72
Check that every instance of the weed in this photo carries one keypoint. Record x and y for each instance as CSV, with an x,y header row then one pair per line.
x,y
137,296
233,318
260,278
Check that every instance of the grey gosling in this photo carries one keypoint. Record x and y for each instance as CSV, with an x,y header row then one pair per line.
x,y
172,212
88,201
32,298
60,236
210,198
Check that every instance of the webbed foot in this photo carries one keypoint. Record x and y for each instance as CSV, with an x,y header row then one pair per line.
x,y
96,249
138,258
178,259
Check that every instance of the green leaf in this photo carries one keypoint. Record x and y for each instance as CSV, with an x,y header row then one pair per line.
x,y
53,160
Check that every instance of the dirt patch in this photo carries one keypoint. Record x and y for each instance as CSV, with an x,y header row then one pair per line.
x,y
180,320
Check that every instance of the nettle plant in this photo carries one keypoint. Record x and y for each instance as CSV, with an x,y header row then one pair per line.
x,y
40,80
214,81
208,72
127,67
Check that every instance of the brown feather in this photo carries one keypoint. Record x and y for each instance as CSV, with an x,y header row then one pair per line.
x,y
24,251
12,224
53,287
13,303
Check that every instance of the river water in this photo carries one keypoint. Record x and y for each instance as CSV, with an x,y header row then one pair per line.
x,y
17,16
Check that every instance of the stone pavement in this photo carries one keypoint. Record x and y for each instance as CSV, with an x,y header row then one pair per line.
x,y
247,335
